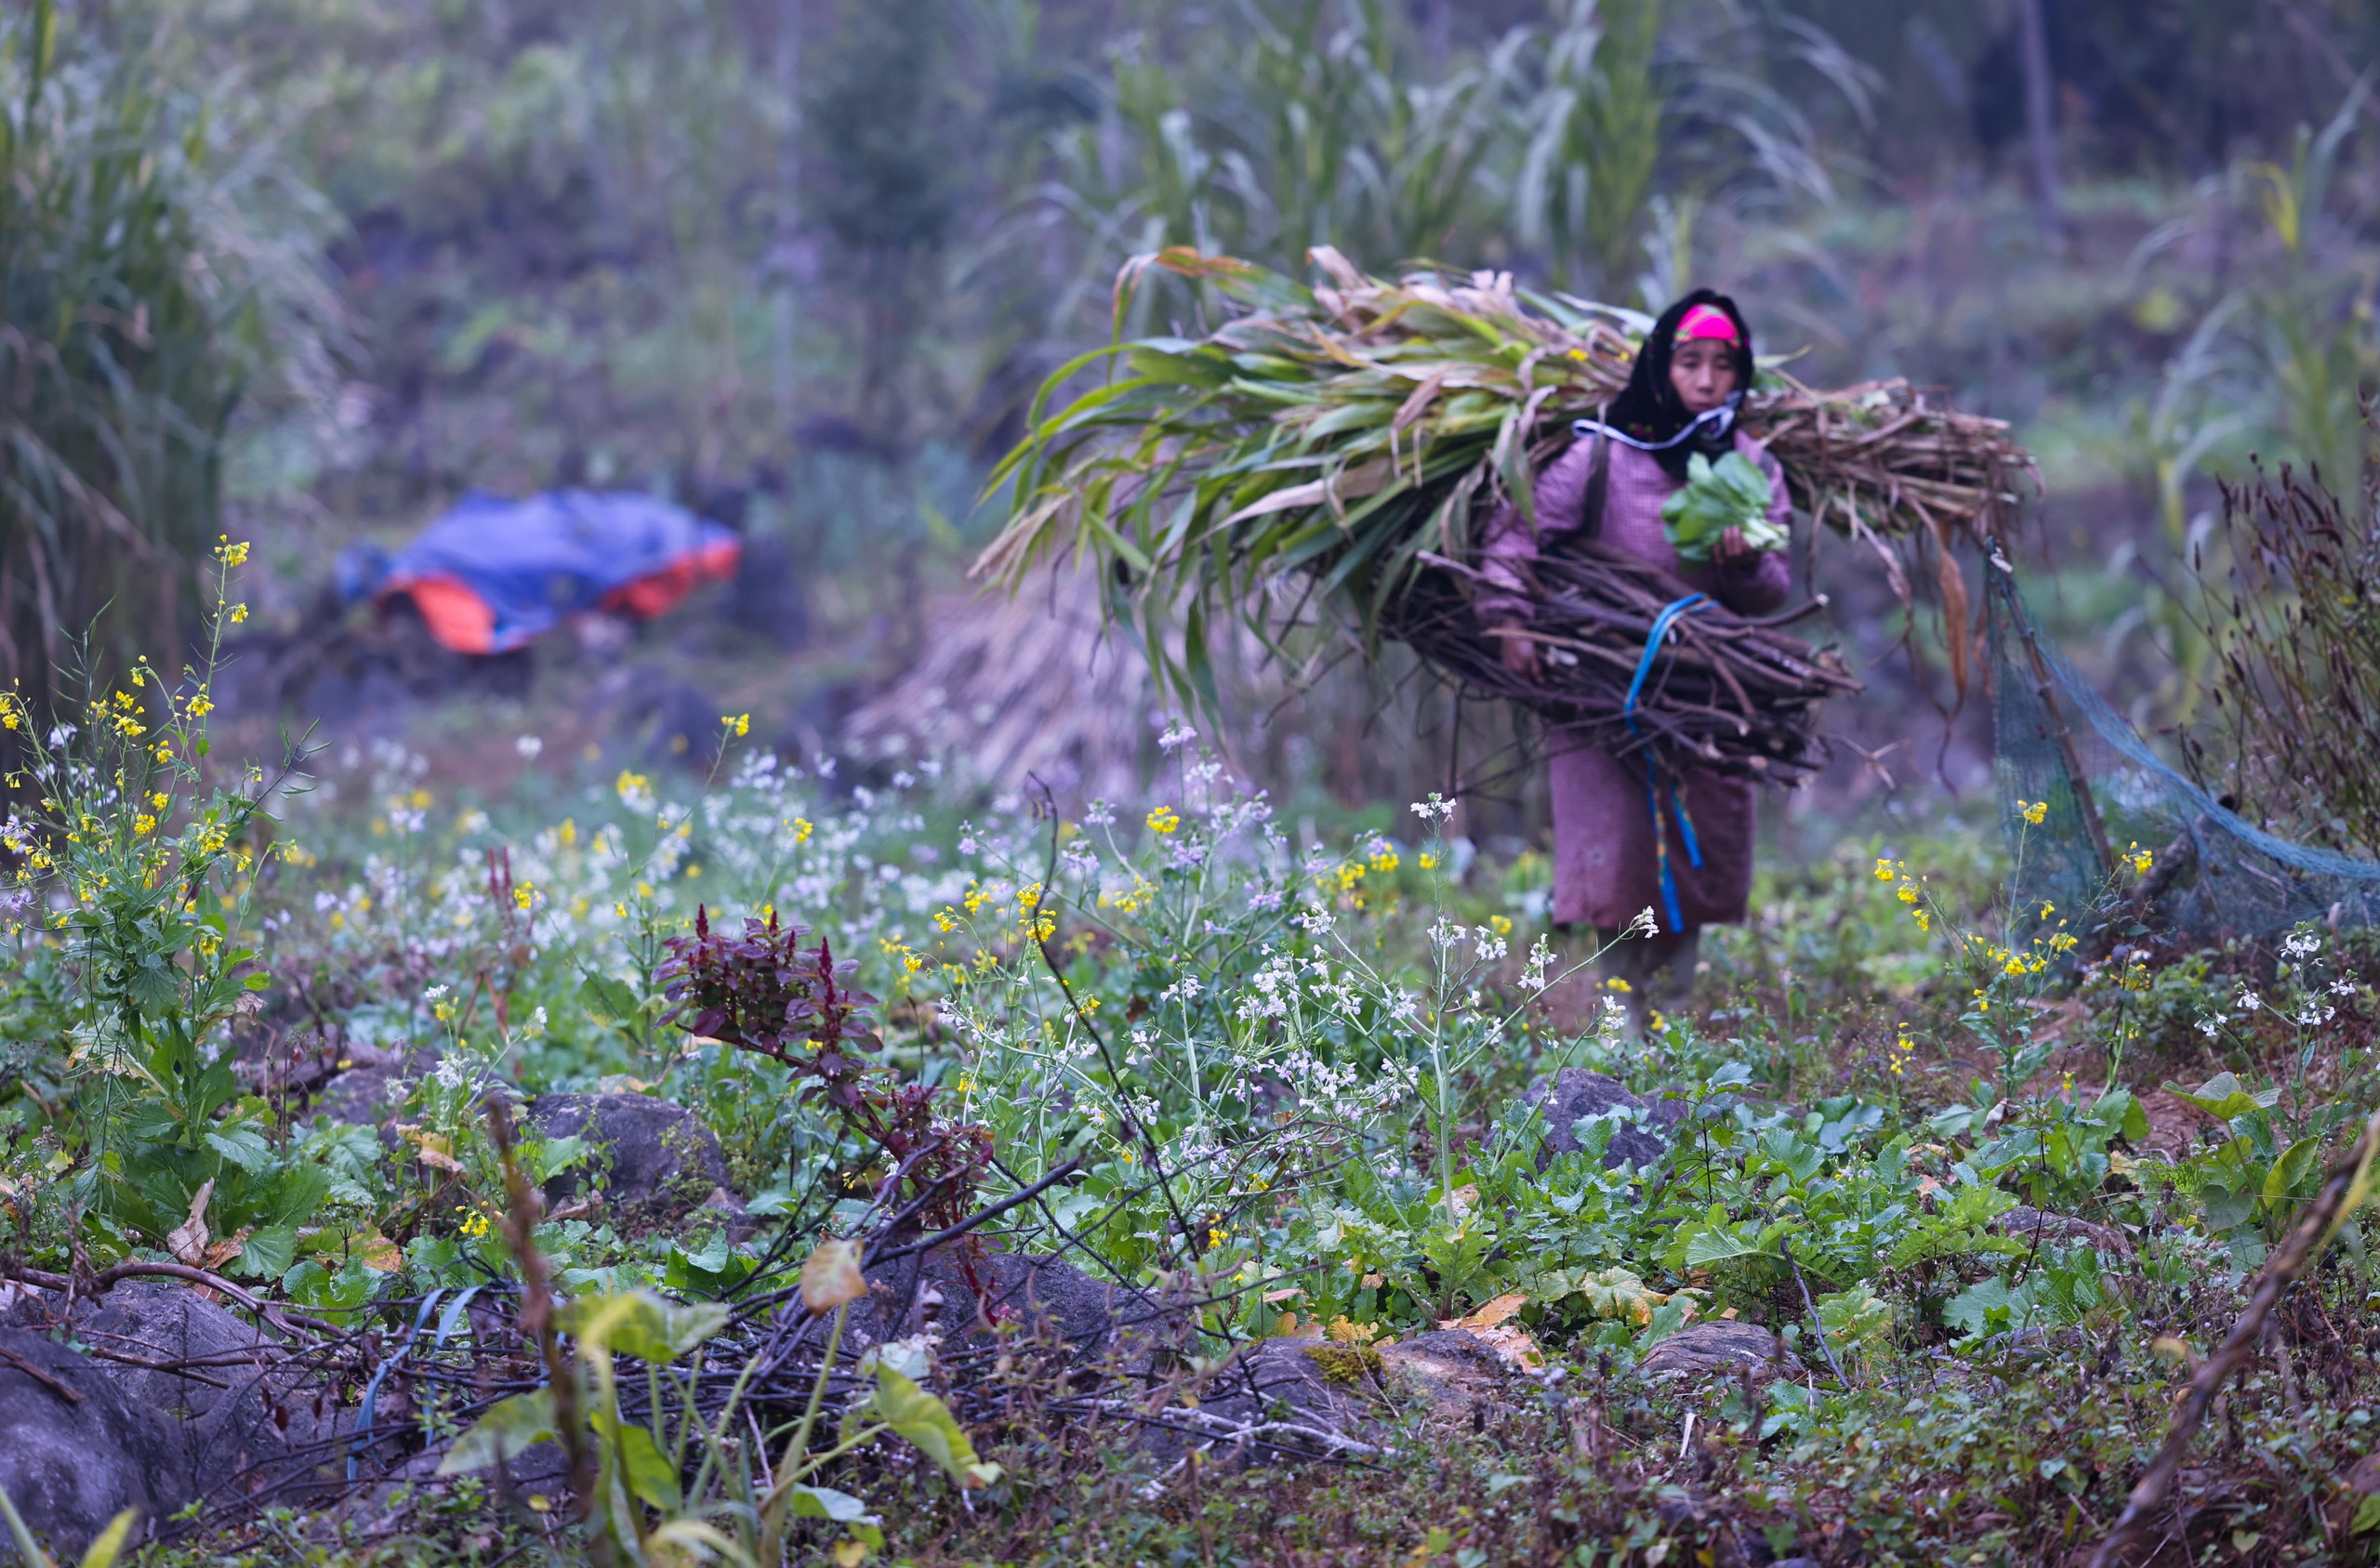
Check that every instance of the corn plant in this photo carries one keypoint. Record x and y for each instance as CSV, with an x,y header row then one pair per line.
x,y
131,333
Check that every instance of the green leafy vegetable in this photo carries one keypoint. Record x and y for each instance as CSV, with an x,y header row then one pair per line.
x,y
1732,493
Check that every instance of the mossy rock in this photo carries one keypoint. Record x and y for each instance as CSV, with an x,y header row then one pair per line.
x,y
1346,1364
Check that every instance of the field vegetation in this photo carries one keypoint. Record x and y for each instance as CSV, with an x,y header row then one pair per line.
x,y
628,1123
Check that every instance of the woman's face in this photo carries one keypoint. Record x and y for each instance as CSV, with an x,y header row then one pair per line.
x,y
1703,370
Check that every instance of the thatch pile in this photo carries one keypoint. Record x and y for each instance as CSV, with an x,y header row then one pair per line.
x,y
1338,444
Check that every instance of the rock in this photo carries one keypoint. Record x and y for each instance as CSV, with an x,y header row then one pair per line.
x,y
659,1162
249,1419
70,1464
1280,1399
1576,1093
2061,1229
366,1093
1718,1351
244,1417
1451,1370
1086,1318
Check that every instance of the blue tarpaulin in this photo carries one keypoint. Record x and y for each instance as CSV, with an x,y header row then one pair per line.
x,y
494,573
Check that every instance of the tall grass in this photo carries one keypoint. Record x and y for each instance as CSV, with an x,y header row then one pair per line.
x,y
136,308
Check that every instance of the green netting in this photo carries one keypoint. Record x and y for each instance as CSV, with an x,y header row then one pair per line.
x,y
2213,876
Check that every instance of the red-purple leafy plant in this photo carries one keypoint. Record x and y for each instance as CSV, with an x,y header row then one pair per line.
x,y
764,991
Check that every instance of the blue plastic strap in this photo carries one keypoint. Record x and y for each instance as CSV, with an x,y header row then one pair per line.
x,y
372,1390
1670,615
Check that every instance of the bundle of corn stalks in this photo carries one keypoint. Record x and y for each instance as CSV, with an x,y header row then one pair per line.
x,y
1335,441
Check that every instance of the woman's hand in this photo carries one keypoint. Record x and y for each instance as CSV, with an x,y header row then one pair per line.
x,y
1734,552
1520,653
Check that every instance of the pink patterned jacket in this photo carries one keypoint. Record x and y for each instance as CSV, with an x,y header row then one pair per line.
x,y
1605,866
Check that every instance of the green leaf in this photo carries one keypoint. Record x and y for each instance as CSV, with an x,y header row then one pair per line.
x,y
1983,1308
650,1474
2223,1097
2367,1515
510,1429
825,1502
1719,1245
244,1146
608,1000
641,1324
927,1423
268,1253
2289,1172
109,1545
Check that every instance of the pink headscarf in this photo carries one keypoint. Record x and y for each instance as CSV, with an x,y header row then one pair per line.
x,y
1707,321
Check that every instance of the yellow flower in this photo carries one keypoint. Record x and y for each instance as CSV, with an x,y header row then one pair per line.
x,y
525,895
739,723
801,830
2140,860
229,553
1499,925
1906,893
1429,861
159,799
239,612
1925,923
199,705
144,825
1090,1006
1384,861
1163,820
2034,811
1884,869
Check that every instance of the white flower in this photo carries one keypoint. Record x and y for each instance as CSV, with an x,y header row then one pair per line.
x,y
529,745
1177,735
903,780
1264,902
2300,945
1541,956
1437,807
1099,814
60,735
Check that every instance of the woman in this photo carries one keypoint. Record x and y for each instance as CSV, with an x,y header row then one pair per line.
x,y
1681,398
